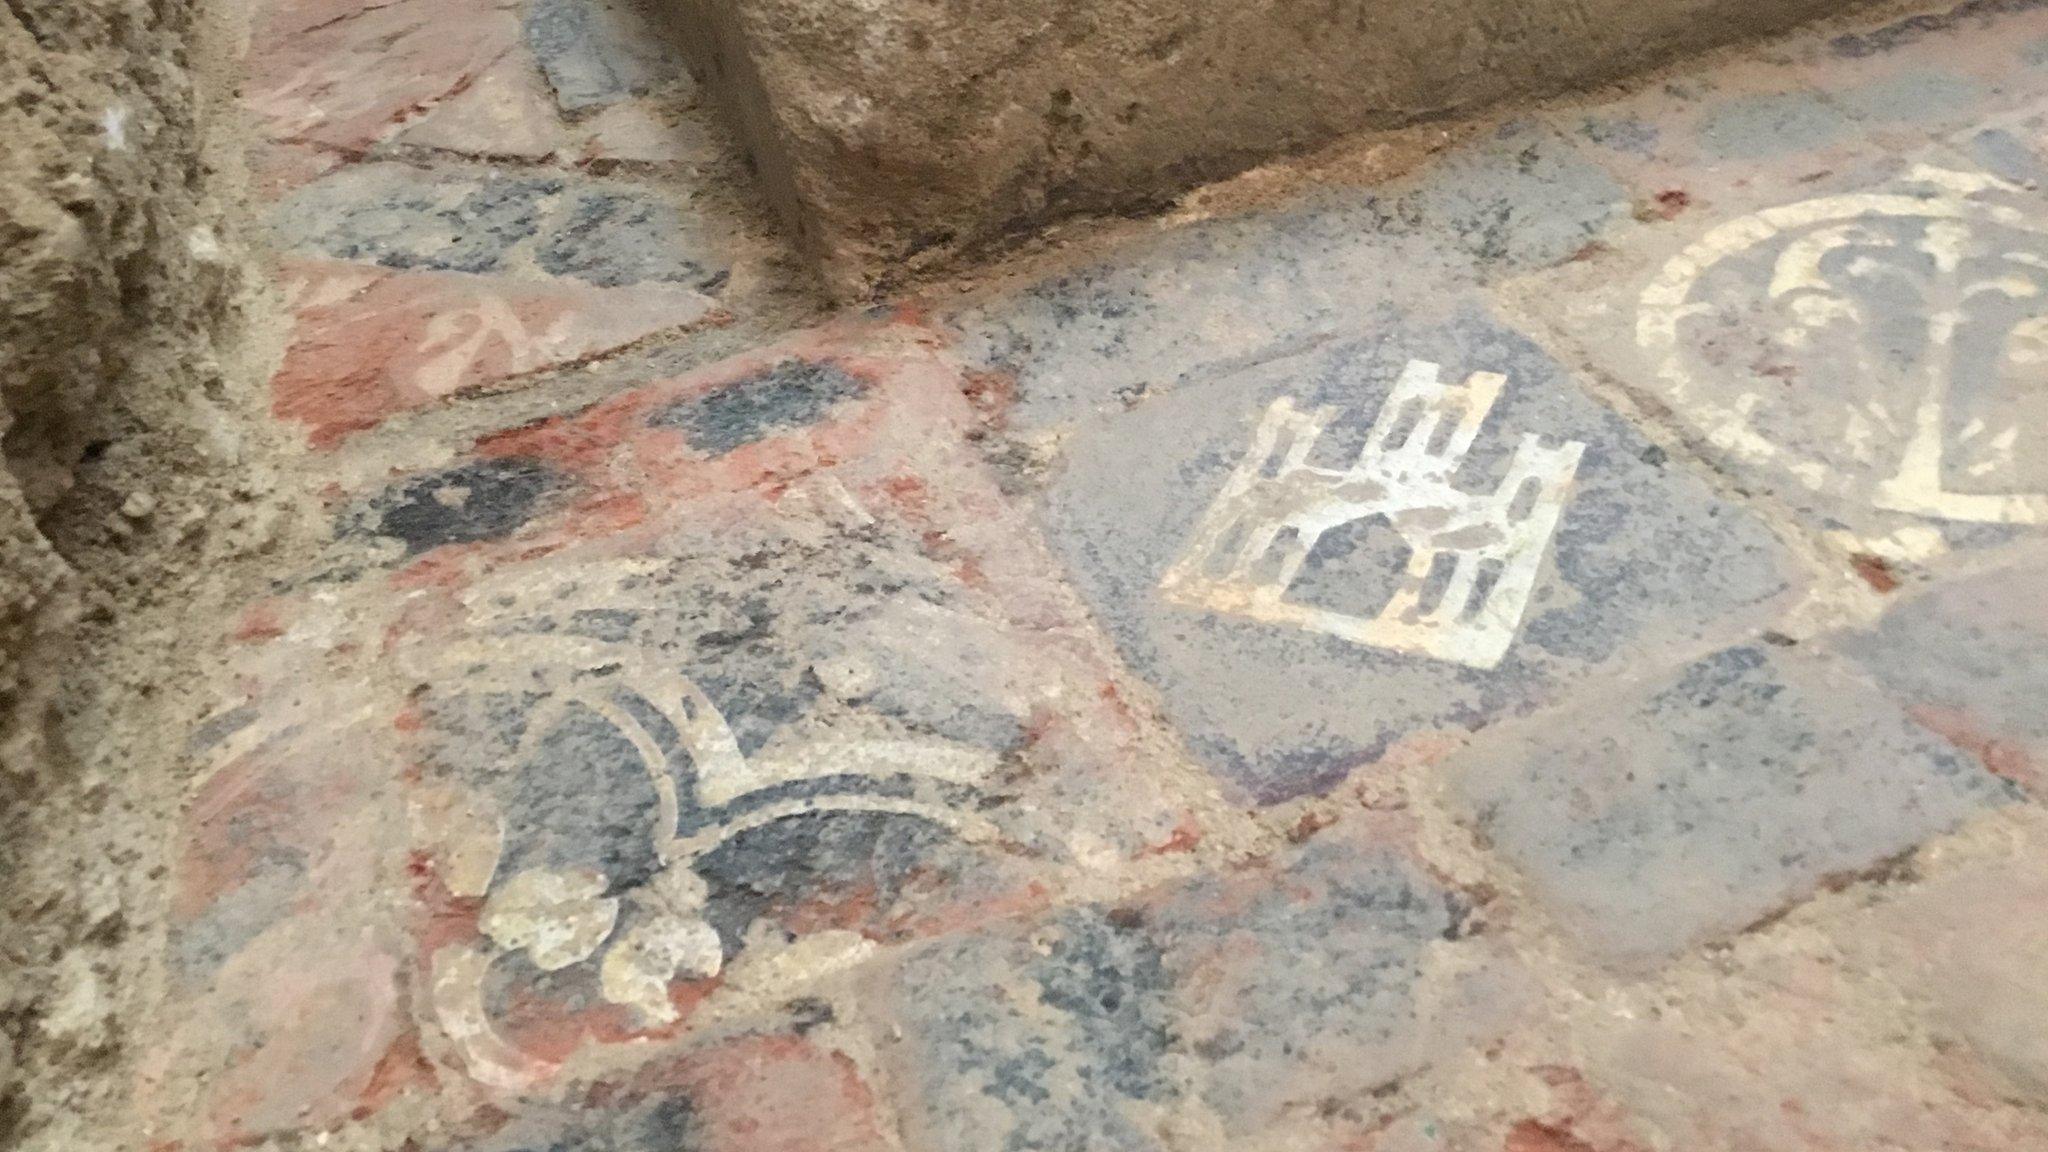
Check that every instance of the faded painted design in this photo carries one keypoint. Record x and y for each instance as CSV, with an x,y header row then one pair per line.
x,y
643,938
1930,295
1473,559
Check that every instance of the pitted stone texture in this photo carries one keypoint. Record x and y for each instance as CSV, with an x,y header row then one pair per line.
x,y
1795,1052
764,1093
1644,556
1966,658
1229,292
1220,1005
1965,945
910,134
697,696
1690,810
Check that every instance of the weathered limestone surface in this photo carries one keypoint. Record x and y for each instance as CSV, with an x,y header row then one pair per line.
x,y
906,132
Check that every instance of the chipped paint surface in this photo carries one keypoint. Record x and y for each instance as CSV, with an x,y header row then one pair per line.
x,y
1133,703
643,937
1472,561
1933,435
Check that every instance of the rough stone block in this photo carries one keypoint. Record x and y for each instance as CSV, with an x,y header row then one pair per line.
x,y
1706,802
906,131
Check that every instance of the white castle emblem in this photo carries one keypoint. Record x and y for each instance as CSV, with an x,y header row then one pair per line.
x,y
1473,559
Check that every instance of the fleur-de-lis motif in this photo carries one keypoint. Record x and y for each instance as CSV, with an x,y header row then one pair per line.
x,y
706,794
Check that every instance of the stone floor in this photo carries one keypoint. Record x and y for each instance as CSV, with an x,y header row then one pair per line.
x,y
1543,653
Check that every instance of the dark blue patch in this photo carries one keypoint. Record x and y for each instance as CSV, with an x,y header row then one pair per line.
x,y
482,500
792,394
660,1124
595,53
612,239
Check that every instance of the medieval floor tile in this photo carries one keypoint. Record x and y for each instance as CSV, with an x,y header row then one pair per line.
x,y
596,54
603,232
507,112
367,342
1964,945
1241,289
1691,809
344,74
695,696
1860,350
1931,72
286,972
1499,536
1213,1008
1966,658
1796,1053
1710,141
763,1093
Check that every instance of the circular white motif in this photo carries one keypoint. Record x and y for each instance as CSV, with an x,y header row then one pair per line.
x,y
1934,304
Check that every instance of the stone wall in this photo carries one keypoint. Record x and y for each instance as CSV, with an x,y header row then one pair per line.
x,y
113,287
121,448
906,133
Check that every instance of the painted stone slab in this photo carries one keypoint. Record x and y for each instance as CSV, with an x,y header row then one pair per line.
x,y
1418,531
1969,658
703,693
1206,297
1869,353
1692,808
344,74
1224,1006
368,342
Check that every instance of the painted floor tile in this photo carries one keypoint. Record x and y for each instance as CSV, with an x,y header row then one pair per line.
x,y
410,287
368,342
344,74
691,698
1214,1010
1689,810
1408,535
1864,352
